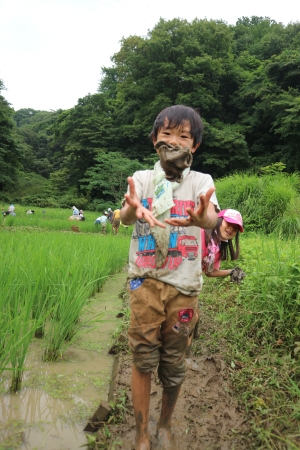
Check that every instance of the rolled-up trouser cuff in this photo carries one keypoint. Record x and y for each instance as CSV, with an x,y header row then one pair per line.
x,y
171,375
146,363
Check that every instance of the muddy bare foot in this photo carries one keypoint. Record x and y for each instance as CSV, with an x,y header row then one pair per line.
x,y
165,439
142,443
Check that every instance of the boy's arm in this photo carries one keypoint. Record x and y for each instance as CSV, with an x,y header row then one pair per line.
x,y
219,273
204,216
133,209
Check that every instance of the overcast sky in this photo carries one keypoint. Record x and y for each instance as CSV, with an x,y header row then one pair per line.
x,y
52,51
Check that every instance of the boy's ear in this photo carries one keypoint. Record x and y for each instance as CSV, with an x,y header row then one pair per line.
x,y
196,146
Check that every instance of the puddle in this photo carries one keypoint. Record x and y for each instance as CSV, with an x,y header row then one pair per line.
x,y
57,399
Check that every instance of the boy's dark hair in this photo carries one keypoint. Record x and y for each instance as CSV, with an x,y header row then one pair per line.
x,y
177,115
225,247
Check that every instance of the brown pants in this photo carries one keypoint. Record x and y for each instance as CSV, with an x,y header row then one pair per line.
x,y
162,322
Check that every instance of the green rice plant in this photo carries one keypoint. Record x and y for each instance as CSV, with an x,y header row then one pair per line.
x,y
66,321
17,311
70,298
46,280
21,335
56,219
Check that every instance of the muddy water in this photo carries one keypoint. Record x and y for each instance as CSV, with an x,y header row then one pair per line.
x,y
57,399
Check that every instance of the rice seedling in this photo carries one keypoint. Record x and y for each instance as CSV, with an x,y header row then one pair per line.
x,y
55,219
46,282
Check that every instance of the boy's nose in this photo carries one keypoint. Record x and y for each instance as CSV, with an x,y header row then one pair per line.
x,y
173,140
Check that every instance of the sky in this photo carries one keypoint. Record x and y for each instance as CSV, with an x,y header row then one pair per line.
x,y
52,51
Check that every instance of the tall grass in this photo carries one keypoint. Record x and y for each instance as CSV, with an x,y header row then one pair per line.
x,y
270,298
260,322
268,203
46,280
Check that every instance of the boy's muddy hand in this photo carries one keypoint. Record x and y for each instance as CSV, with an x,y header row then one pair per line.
x,y
135,210
203,216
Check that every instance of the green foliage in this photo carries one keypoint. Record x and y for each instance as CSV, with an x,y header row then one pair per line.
x,y
41,201
9,149
273,169
264,202
108,178
222,139
243,79
28,184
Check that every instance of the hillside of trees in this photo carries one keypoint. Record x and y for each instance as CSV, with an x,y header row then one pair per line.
x,y
243,79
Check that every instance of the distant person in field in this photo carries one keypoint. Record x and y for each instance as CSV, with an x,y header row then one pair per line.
x,y
9,211
76,214
102,220
5,213
123,204
116,221
81,215
110,214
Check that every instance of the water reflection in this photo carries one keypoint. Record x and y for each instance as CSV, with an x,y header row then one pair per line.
x,y
34,419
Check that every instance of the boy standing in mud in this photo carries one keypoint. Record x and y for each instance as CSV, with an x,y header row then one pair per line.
x,y
168,205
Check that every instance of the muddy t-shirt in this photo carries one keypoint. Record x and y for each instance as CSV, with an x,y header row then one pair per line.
x,y
182,267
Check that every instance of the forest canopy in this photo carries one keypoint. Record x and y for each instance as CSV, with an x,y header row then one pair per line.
x,y
243,79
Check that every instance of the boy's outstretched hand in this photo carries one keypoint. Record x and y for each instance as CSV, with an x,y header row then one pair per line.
x,y
134,210
204,216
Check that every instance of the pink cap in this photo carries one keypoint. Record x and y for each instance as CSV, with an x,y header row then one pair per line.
x,y
232,216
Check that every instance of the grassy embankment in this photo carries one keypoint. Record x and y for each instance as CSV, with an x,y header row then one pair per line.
x,y
260,323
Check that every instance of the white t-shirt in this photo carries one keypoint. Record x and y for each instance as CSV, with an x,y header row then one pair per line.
x,y
182,268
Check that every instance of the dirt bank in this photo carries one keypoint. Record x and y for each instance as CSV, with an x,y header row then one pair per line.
x,y
207,414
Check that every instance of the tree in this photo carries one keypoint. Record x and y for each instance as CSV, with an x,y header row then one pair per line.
x,y
107,179
81,132
287,127
224,150
10,154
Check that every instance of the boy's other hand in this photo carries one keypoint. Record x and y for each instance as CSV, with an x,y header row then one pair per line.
x,y
204,216
134,210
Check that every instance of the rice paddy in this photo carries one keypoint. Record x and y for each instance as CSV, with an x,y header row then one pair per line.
x,y
46,280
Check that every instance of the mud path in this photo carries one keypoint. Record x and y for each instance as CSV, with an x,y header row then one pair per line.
x,y
207,415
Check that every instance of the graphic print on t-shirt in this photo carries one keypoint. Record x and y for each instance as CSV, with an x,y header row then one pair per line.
x,y
181,245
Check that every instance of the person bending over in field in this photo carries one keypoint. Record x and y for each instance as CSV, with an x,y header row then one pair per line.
x,y
116,221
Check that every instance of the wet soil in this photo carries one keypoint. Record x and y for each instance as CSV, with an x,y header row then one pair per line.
x,y
207,415
57,398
